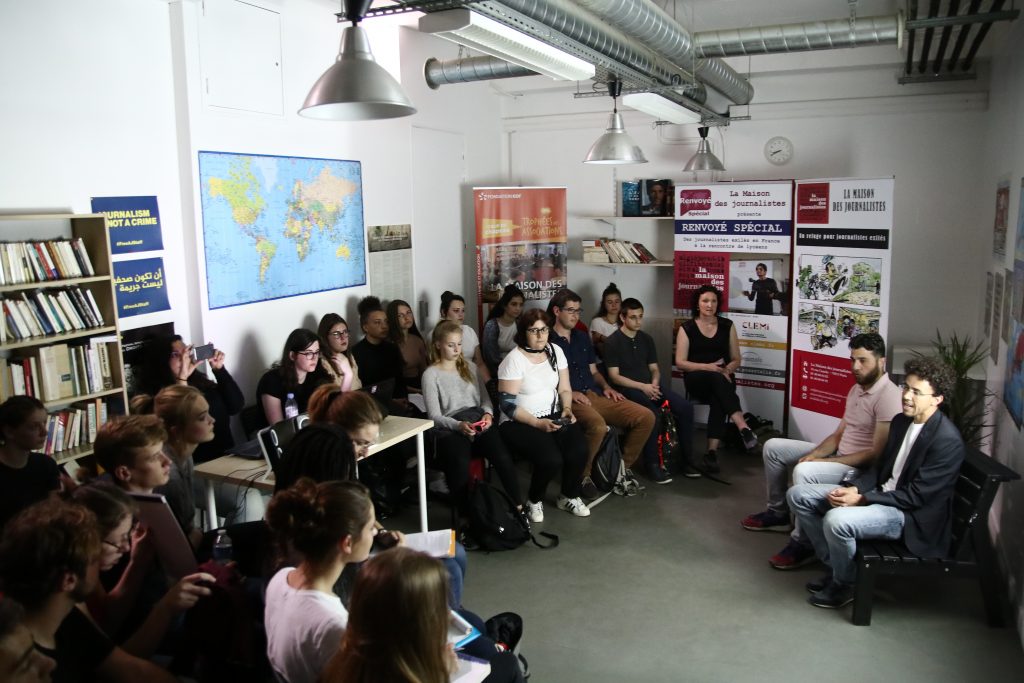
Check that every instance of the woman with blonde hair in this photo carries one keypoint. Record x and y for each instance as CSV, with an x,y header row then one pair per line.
x,y
186,417
398,626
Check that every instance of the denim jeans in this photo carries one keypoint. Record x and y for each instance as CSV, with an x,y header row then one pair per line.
x,y
834,531
781,456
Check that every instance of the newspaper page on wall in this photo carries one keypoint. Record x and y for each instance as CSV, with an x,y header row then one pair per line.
x,y
390,249
841,265
737,236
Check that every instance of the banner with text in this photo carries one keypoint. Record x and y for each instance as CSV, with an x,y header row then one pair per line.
x,y
841,265
140,287
713,224
134,223
521,240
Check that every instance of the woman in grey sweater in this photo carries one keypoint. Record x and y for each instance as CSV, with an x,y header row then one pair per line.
x,y
463,417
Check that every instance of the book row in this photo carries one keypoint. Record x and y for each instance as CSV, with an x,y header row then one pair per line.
x,y
616,251
61,371
49,311
74,426
39,261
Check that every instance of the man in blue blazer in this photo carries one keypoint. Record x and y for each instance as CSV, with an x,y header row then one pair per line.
x,y
907,494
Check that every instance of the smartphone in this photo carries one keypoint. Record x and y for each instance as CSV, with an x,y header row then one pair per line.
x,y
201,353
478,426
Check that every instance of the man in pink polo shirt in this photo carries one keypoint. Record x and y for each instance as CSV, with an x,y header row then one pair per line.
x,y
859,439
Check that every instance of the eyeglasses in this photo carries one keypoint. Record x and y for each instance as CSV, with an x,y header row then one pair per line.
x,y
338,335
363,444
538,330
122,546
574,311
914,392
309,355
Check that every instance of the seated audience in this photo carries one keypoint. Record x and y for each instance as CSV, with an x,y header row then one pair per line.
x,y
871,403
114,511
379,359
463,417
906,494
323,527
49,562
453,308
537,421
398,625
594,402
632,362
130,449
168,361
186,417
297,373
336,357
500,328
20,661
25,476
708,353
606,322
403,333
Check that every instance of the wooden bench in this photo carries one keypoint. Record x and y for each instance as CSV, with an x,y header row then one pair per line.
x,y
971,554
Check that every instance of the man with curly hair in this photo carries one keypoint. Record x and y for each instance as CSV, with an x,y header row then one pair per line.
x,y
907,494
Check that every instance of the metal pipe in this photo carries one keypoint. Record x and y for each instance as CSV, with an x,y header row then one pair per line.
x,y
982,32
469,69
911,15
962,38
954,7
811,35
926,45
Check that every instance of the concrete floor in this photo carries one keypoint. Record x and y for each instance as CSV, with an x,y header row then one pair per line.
x,y
668,587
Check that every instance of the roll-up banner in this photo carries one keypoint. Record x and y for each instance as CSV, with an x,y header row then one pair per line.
x,y
723,232
520,239
841,266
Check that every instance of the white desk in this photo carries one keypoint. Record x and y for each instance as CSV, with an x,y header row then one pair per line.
x,y
233,469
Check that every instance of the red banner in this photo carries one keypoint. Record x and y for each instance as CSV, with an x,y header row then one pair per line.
x,y
693,269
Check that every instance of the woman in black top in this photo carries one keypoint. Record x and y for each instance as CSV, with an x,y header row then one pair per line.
x,y
168,361
297,373
708,353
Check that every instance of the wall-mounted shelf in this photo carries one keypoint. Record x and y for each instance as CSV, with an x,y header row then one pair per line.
x,y
658,264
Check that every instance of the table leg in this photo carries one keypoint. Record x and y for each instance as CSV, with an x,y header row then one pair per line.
x,y
421,480
211,506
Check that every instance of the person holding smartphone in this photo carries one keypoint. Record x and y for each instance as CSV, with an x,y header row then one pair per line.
x,y
536,415
463,417
168,360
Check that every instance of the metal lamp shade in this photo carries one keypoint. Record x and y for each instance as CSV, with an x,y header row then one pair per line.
x,y
615,146
704,160
356,87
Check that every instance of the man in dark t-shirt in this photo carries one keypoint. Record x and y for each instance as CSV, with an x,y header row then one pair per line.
x,y
25,477
49,562
632,363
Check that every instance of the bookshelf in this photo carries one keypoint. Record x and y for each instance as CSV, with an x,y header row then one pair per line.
x,y
636,224
69,355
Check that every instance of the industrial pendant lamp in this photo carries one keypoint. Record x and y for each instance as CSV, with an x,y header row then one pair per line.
x,y
615,146
704,160
356,87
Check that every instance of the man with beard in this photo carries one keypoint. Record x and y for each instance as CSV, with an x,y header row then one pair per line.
x,y
49,562
858,440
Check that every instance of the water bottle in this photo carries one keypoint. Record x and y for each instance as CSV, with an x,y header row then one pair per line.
x,y
291,408
222,549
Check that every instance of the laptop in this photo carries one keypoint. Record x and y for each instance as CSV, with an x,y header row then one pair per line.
x,y
383,390
172,548
274,439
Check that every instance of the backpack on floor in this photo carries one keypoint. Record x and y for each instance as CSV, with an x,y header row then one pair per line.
x,y
496,524
608,468
669,452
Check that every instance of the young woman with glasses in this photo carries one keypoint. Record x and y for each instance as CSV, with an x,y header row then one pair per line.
x,y
297,373
536,415
336,357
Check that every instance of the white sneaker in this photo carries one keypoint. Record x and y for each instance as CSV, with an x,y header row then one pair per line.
x,y
574,505
535,512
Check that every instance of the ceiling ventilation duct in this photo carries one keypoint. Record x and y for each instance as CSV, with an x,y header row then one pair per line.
x,y
812,35
470,69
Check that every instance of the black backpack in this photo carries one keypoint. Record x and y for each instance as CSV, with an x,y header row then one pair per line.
x,y
608,468
668,440
496,524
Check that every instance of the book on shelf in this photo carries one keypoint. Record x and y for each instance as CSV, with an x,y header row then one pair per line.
x,y
44,260
58,371
44,312
593,252
607,250
74,426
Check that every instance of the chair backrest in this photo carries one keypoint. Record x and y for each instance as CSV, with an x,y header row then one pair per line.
x,y
975,490
275,438
250,417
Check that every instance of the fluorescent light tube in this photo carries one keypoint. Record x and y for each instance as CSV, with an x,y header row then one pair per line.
x,y
661,108
494,38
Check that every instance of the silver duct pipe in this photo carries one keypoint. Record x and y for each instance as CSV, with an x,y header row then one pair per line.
x,y
469,69
812,35
648,23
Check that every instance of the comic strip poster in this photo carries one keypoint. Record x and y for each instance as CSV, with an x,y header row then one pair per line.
x,y
521,240
841,270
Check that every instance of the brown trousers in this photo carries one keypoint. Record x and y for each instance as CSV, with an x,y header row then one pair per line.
x,y
632,418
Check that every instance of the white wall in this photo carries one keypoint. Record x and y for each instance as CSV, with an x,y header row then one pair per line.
x,y
1004,157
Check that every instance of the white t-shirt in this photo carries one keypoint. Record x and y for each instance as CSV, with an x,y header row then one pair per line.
x,y
602,326
304,629
539,388
469,342
913,431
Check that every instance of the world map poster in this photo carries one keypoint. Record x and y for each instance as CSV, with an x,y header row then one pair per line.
x,y
276,227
